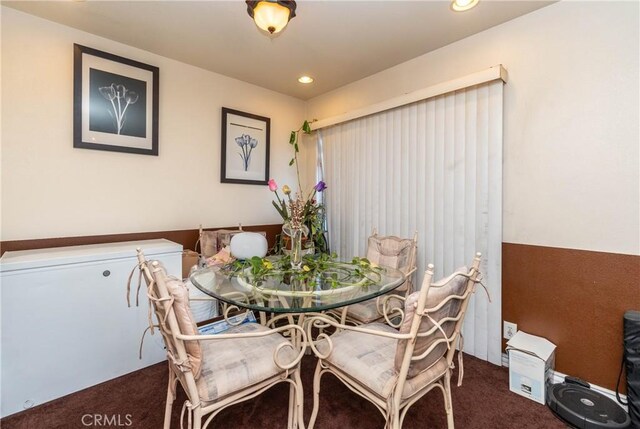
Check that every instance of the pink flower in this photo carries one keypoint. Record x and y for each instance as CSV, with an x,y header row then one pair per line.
x,y
273,186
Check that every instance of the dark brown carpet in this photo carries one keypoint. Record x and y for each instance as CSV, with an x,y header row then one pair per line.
x,y
482,402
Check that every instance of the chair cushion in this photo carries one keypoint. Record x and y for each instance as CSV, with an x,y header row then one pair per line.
x,y
366,358
229,365
367,311
391,251
425,378
454,285
369,359
208,243
187,324
399,253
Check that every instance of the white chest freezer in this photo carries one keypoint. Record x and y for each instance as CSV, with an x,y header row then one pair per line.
x,y
65,321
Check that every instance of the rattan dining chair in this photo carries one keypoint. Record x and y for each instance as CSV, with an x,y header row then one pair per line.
x,y
395,368
219,370
395,252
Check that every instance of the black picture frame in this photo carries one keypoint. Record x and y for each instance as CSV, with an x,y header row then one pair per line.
x,y
115,103
247,133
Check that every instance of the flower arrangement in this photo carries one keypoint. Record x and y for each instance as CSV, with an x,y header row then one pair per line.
x,y
323,269
298,211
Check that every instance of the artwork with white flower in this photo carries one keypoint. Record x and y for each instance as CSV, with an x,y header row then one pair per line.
x,y
115,103
245,147
123,96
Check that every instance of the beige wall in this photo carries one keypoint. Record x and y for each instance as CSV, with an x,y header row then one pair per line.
x,y
50,189
571,169
571,134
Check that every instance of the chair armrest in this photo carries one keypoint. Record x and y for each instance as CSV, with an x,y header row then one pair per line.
x,y
247,335
321,322
241,335
411,271
382,305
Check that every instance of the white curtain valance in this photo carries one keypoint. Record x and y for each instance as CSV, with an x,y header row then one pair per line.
x,y
484,76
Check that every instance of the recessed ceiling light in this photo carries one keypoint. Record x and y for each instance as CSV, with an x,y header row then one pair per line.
x,y
462,5
305,79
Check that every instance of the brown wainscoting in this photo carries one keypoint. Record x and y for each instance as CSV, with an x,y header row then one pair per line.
x,y
574,298
186,237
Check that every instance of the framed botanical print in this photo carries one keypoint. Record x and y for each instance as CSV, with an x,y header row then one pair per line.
x,y
115,103
245,147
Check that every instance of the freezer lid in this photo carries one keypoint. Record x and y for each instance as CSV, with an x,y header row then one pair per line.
x,y
39,258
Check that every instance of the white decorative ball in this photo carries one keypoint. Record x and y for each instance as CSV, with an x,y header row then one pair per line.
x,y
246,245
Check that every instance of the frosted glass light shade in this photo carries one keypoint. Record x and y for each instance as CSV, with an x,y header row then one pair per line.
x,y
462,5
246,245
270,16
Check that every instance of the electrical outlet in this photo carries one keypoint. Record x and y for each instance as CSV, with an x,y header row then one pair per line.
x,y
509,330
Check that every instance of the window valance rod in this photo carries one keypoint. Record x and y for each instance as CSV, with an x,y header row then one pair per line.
x,y
492,73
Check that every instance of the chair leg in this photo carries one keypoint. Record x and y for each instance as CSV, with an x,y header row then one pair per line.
x,y
394,417
171,395
292,403
197,418
299,400
448,403
343,316
316,394
391,422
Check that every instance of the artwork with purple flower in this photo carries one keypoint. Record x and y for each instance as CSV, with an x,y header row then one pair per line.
x,y
245,147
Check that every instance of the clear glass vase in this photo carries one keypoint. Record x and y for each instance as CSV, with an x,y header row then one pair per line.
x,y
296,235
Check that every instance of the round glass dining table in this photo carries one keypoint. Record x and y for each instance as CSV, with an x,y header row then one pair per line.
x,y
337,287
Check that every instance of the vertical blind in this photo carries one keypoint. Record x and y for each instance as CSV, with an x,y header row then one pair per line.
x,y
435,167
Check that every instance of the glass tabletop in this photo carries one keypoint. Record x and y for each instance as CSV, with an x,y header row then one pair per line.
x,y
342,284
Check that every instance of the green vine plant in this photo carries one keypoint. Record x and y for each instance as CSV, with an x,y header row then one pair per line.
x,y
313,213
293,140
324,268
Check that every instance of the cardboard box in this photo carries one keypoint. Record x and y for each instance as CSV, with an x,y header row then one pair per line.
x,y
531,363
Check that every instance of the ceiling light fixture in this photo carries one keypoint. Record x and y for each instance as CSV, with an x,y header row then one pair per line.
x,y
271,15
305,79
462,5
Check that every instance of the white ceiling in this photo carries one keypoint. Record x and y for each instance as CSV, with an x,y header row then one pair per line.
x,y
336,42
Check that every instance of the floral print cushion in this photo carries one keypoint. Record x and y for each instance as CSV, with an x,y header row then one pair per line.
x,y
438,292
